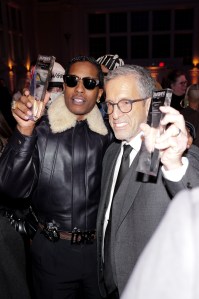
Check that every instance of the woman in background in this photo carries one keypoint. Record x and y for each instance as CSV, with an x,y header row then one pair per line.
x,y
176,80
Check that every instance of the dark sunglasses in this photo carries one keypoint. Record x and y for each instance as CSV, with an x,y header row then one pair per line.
x,y
72,81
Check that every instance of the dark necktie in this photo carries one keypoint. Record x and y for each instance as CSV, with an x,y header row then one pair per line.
x,y
124,166
108,275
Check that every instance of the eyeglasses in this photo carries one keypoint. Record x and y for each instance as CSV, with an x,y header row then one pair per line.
x,y
183,83
72,81
124,105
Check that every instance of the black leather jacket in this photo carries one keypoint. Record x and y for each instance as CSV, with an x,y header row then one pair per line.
x,y
59,169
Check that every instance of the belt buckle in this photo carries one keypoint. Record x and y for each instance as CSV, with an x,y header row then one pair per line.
x,y
89,237
79,237
76,237
50,231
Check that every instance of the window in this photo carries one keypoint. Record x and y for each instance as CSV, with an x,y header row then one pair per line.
x,y
20,27
16,47
97,23
118,45
13,18
183,47
144,34
1,16
139,47
161,46
118,22
139,21
184,19
8,16
97,46
11,47
161,20
2,45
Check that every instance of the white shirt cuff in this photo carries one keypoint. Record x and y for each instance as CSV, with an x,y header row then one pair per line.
x,y
175,175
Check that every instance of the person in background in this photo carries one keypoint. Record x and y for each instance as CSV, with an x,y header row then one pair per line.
x,y
108,62
56,84
132,207
5,104
177,81
58,163
13,275
168,266
192,96
191,112
13,280
5,132
23,83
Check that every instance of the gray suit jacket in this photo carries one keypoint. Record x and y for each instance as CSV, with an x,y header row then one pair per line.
x,y
138,207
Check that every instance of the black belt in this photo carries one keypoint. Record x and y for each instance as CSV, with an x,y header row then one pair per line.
x,y
76,236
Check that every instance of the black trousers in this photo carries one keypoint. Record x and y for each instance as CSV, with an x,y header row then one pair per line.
x,y
113,295
13,283
64,271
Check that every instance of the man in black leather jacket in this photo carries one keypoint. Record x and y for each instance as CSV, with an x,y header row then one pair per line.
x,y
58,164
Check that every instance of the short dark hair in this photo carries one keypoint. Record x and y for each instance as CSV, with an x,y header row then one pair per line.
x,y
91,60
174,75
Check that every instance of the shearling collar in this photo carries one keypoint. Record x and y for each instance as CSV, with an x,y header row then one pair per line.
x,y
61,119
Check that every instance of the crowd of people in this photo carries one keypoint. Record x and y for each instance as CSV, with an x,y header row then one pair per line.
x,y
93,219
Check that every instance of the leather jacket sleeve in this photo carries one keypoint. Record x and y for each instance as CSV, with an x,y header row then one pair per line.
x,y
17,163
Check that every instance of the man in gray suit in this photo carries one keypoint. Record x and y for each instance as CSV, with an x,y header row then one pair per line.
x,y
128,217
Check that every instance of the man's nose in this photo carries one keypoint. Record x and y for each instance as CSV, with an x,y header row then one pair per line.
x,y
80,86
116,111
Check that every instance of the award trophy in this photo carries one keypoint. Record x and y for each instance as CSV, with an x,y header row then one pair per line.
x,y
39,83
149,156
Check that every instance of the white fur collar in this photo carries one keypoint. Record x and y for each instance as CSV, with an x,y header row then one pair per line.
x,y
61,119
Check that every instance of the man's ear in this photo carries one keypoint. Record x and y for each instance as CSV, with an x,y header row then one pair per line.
x,y
100,92
147,103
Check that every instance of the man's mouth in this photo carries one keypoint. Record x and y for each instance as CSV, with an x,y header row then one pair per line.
x,y
120,125
78,101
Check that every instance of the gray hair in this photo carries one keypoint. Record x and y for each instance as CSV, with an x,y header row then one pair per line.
x,y
192,93
145,82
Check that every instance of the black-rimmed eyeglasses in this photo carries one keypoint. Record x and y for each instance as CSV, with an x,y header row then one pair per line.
x,y
72,81
124,105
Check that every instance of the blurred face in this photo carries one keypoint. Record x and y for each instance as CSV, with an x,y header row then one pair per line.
x,y
105,70
126,125
180,86
55,92
78,99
